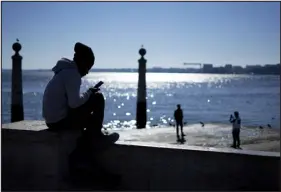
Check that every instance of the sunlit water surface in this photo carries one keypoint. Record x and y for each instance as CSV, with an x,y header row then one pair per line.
x,y
204,97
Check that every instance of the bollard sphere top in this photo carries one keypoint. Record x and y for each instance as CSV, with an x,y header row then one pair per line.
x,y
17,47
142,51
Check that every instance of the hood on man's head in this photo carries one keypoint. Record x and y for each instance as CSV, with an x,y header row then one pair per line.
x,y
63,64
84,51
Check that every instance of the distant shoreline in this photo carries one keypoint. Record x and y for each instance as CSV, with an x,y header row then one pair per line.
x,y
150,70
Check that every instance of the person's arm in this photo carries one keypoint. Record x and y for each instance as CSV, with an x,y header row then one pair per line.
x,y
72,83
231,119
181,114
175,114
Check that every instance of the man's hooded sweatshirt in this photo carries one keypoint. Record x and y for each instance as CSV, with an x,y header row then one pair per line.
x,y
63,91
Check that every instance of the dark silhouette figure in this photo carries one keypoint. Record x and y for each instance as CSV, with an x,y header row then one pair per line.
x,y
261,127
64,108
236,126
202,124
178,115
269,126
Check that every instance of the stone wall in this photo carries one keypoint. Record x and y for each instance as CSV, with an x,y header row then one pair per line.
x,y
36,160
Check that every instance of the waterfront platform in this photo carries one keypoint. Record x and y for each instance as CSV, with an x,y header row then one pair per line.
x,y
147,159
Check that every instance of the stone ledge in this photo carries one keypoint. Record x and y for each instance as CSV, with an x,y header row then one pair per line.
x,y
144,165
26,126
37,131
198,148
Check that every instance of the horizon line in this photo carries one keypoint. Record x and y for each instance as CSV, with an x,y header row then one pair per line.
x,y
154,67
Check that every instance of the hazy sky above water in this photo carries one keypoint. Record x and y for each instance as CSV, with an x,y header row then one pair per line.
x,y
238,33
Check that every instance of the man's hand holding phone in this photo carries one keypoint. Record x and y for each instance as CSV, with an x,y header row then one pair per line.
x,y
96,88
231,118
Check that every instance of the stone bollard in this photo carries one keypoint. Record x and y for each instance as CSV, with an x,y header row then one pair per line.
x,y
17,96
141,98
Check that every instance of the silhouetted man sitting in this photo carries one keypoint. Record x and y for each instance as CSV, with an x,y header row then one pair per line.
x,y
178,115
65,108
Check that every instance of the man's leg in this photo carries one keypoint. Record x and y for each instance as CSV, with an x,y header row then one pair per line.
x,y
95,123
181,124
89,115
238,138
177,127
95,119
234,139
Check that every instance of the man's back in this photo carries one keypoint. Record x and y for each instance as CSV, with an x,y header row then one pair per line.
x,y
54,100
61,88
178,114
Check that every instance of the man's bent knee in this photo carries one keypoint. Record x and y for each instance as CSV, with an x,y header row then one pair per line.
x,y
98,100
99,97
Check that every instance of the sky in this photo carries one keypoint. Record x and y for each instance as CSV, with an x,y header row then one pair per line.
x,y
238,33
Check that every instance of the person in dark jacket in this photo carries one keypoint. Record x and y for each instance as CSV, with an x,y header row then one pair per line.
x,y
178,115
63,105
236,126
65,108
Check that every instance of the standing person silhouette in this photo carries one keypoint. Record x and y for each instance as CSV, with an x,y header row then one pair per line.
x,y
178,115
236,126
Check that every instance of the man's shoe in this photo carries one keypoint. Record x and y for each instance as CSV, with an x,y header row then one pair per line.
x,y
102,140
110,138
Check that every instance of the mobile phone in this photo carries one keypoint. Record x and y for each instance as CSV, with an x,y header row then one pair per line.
x,y
98,84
